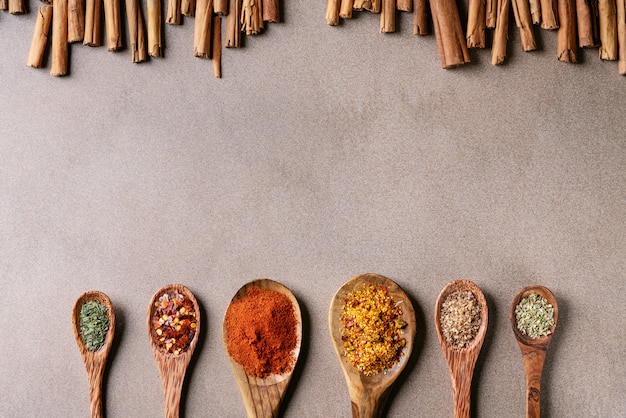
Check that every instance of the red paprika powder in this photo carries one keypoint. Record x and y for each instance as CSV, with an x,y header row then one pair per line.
x,y
261,332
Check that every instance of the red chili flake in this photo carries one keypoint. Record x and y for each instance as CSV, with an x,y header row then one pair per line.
x,y
174,322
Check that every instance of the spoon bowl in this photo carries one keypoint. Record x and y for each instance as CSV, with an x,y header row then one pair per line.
x,y
263,396
368,394
95,361
461,361
172,367
533,349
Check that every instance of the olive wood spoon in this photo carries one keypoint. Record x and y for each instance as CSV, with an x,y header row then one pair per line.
x,y
461,361
533,349
95,361
172,368
368,394
262,397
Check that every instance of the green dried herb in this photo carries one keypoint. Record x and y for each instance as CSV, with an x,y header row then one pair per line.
x,y
94,324
534,316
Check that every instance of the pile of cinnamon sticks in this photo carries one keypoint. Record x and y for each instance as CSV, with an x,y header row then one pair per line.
x,y
445,20
336,9
579,23
80,21
15,7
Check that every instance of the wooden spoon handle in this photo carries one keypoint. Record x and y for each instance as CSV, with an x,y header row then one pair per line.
x,y
461,389
533,365
263,401
95,394
369,405
172,390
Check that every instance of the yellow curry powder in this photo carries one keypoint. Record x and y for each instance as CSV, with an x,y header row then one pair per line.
x,y
372,329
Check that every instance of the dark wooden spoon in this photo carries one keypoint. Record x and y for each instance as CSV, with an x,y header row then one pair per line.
x,y
461,361
172,368
95,361
533,349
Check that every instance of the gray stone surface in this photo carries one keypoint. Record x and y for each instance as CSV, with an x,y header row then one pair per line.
x,y
322,153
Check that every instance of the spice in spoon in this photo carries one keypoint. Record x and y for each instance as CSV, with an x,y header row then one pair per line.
x,y
94,324
174,322
534,316
261,332
460,318
372,329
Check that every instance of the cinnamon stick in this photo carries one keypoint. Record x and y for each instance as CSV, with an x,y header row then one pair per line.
x,y
375,7
112,20
233,25
40,36
500,36
220,7
607,10
93,32
404,5
332,12
491,13
251,17
136,32
59,38
188,7
535,11
621,36
173,12
476,24
566,36
420,17
216,46
524,23
449,33
154,28
17,7
75,21
361,5
271,11
345,9
4,4
388,16
202,29
549,14
587,23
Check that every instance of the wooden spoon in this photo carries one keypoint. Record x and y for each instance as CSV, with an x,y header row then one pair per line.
x,y
262,397
368,394
95,361
533,349
461,361
172,368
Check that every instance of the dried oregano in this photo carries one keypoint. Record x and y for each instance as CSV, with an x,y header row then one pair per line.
x,y
534,316
94,324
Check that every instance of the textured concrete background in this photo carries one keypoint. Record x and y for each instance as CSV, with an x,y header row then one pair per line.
x,y
321,154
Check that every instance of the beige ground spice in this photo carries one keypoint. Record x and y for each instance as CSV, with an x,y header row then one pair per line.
x,y
460,318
